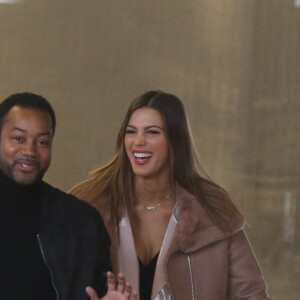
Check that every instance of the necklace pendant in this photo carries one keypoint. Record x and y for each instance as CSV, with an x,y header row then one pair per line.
x,y
150,207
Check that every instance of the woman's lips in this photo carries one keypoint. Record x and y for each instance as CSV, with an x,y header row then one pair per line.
x,y
142,157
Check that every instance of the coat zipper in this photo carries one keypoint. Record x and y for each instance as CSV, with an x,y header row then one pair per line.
x,y
45,261
191,277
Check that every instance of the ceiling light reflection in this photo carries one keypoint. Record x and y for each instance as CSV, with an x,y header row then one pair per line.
x,y
10,1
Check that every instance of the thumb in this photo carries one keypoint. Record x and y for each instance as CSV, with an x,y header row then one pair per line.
x,y
92,293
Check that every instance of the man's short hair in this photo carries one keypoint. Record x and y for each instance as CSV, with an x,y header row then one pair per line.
x,y
27,100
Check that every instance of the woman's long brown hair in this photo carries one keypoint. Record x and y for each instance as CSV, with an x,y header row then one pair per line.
x,y
115,180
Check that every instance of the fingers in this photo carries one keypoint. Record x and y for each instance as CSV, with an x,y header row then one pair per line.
x,y
111,281
114,285
120,286
128,289
92,293
129,293
121,283
134,296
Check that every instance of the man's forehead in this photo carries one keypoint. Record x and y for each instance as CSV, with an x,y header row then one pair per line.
x,y
26,112
26,116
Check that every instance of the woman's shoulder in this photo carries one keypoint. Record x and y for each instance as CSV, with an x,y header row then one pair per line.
x,y
196,227
193,207
208,190
189,207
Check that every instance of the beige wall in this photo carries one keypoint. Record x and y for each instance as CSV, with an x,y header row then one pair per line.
x,y
234,63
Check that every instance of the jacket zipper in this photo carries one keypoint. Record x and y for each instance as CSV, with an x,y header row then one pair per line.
x,y
191,277
45,261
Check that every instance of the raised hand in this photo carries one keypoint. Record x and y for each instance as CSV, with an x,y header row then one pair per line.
x,y
117,290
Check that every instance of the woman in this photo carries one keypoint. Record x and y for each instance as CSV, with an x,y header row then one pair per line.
x,y
175,234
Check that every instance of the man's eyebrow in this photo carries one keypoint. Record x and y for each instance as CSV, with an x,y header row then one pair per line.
x,y
45,133
19,129
25,131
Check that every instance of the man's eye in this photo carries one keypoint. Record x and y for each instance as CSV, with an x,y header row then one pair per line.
x,y
17,138
44,143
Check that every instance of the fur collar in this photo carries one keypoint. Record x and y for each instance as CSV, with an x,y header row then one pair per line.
x,y
195,229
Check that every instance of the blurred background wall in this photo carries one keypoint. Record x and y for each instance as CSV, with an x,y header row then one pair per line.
x,y
234,63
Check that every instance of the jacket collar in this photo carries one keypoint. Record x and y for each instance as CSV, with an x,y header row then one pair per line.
x,y
195,228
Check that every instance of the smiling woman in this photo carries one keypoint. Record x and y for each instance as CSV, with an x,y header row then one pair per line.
x,y
175,233
146,144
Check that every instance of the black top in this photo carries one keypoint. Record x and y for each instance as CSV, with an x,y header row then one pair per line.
x,y
146,277
23,273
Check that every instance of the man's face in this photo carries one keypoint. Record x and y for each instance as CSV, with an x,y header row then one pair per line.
x,y
25,144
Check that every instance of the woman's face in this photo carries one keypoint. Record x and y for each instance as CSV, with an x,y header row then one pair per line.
x,y
146,144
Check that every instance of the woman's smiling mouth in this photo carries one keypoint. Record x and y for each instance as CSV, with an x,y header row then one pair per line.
x,y
141,157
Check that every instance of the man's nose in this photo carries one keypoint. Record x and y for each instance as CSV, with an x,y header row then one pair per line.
x,y
29,149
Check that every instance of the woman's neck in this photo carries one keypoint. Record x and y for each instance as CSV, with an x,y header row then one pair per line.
x,y
154,190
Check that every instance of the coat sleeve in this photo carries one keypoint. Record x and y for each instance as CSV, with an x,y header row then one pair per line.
x,y
245,279
103,259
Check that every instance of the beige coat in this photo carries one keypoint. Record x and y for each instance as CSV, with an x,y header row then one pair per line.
x,y
197,260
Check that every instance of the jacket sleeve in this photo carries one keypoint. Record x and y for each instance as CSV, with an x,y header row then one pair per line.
x,y
103,259
245,279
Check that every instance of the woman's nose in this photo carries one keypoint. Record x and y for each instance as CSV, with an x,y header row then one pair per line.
x,y
140,139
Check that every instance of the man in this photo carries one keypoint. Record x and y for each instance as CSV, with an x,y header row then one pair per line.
x,y
53,245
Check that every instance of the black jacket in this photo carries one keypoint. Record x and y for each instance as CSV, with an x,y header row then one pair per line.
x,y
74,244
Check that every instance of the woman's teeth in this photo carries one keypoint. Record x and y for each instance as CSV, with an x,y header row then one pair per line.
x,y
142,155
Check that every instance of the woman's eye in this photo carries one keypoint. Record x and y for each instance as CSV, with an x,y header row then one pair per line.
x,y
130,131
153,132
